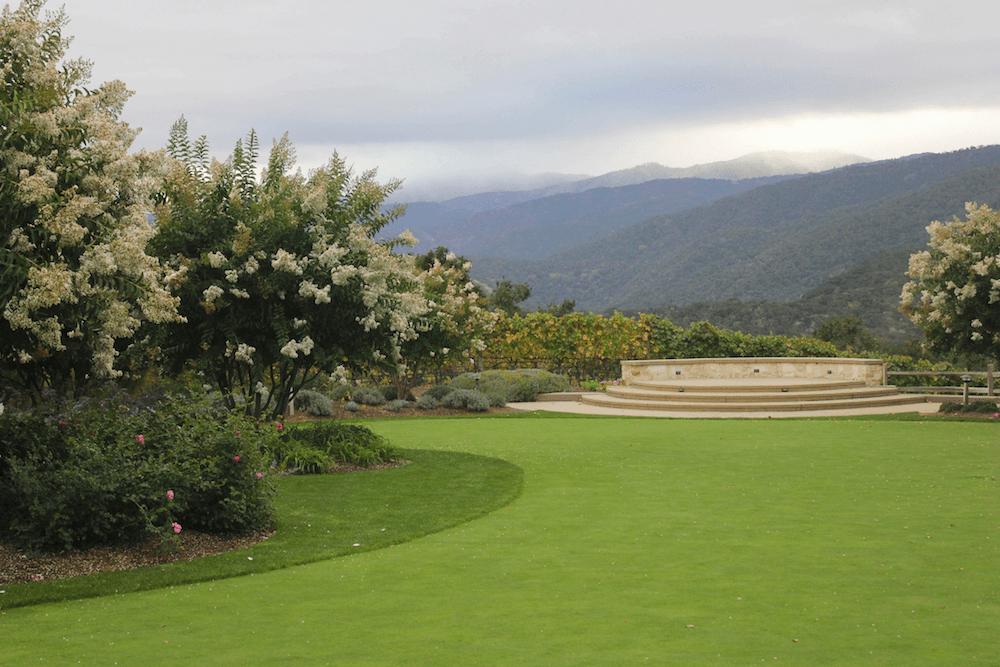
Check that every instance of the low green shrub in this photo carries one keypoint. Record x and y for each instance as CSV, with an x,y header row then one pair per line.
x,y
351,406
427,401
439,391
389,392
496,399
984,407
341,392
397,405
110,468
296,456
522,385
466,399
314,448
367,396
314,403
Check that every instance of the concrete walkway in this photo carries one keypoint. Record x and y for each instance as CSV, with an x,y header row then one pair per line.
x,y
570,404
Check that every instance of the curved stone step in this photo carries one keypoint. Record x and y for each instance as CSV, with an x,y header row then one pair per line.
x,y
670,405
743,386
751,395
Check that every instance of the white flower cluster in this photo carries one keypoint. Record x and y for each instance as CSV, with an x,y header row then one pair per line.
x,y
292,348
217,259
243,353
212,292
309,290
286,261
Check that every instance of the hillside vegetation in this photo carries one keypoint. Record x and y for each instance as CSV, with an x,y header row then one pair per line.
x,y
869,290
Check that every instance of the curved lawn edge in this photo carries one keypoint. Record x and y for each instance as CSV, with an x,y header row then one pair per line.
x,y
321,517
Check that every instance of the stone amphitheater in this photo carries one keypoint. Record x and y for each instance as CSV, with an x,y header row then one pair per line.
x,y
748,387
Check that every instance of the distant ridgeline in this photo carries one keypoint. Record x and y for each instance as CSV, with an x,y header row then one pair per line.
x,y
818,245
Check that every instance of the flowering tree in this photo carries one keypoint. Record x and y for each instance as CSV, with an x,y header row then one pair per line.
x,y
453,328
954,291
280,275
75,279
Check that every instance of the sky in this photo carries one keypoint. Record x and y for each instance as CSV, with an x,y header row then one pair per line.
x,y
479,90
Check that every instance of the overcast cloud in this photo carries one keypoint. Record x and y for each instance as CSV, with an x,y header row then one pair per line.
x,y
430,89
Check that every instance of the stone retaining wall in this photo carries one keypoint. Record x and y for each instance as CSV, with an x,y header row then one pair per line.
x,y
870,371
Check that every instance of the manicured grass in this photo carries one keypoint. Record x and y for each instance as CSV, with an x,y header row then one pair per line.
x,y
870,542
322,517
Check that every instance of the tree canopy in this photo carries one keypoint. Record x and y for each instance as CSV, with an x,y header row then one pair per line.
x,y
75,279
280,274
954,288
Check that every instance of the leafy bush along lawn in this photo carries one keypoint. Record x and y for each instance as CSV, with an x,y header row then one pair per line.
x,y
980,407
110,468
315,447
694,542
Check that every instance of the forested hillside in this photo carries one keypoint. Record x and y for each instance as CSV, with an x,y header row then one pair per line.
x,y
775,242
869,290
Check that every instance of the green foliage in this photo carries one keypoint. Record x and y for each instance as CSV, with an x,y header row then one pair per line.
x,y
317,447
98,471
439,391
506,296
314,403
578,345
396,405
904,363
427,402
515,386
466,399
979,407
341,392
868,290
390,393
367,396
559,309
496,399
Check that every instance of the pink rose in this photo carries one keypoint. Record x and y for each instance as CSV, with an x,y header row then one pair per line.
x,y
259,475
170,495
280,426
140,439
177,527
236,458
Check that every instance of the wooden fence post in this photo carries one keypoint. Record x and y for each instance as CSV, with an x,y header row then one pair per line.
x,y
990,382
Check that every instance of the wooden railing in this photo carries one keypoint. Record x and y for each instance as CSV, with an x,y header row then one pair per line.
x,y
989,390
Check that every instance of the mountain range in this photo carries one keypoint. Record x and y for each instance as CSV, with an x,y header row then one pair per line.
x,y
471,220
780,239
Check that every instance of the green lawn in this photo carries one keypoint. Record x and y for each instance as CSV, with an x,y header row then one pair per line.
x,y
634,541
